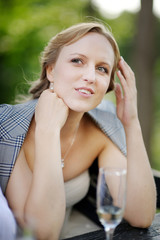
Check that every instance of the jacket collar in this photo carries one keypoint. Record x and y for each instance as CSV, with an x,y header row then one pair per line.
x,y
16,119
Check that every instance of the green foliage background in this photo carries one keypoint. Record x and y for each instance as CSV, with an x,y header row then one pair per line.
x,y
25,28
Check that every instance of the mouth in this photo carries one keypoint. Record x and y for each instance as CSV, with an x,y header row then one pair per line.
x,y
87,91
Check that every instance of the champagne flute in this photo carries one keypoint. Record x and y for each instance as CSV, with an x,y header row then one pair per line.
x,y
111,198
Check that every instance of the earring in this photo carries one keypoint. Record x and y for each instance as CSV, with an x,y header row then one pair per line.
x,y
51,86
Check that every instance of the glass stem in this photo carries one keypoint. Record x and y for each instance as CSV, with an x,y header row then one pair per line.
x,y
109,234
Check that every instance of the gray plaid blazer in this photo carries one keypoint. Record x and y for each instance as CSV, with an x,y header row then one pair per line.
x,y
15,121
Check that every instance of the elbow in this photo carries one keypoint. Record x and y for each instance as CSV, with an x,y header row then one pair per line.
x,y
143,221
43,225
40,228
140,224
140,219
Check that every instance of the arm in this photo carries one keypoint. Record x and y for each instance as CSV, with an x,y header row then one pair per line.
x,y
141,193
45,205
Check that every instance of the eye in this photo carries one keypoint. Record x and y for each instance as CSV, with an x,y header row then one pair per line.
x,y
76,60
103,69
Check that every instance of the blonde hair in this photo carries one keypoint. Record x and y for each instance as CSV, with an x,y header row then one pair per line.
x,y
67,37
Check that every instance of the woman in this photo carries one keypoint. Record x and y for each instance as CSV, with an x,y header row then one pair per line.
x,y
66,132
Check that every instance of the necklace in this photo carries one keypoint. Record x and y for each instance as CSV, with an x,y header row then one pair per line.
x,y
69,148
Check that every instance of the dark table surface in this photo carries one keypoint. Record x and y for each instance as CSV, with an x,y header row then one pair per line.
x,y
125,232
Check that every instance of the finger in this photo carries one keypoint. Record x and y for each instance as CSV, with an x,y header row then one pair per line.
x,y
126,71
122,81
47,91
123,66
118,92
51,90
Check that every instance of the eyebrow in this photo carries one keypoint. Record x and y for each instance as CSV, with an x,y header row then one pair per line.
x,y
82,55
78,54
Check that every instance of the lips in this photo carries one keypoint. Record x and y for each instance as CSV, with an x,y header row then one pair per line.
x,y
85,90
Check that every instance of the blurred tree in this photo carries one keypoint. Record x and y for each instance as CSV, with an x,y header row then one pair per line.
x,y
25,28
144,59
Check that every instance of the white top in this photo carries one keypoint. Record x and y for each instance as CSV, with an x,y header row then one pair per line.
x,y
75,190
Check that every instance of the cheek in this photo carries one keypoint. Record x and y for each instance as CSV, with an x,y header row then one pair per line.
x,y
64,75
62,84
104,85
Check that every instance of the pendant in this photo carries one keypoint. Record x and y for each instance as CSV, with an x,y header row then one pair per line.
x,y
62,163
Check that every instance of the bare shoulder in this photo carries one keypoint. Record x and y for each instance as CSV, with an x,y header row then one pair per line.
x,y
18,185
106,151
111,156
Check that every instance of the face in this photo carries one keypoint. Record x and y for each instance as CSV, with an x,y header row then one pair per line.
x,y
82,72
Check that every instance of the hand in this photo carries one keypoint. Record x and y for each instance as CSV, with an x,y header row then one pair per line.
x,y
51,112
126,101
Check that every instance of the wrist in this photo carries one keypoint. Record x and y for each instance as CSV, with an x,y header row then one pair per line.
x,y
46,133
133,126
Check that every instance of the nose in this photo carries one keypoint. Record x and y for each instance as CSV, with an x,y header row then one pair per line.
x,y
90,74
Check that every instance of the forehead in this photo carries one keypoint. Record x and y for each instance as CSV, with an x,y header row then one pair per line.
x,y
92,44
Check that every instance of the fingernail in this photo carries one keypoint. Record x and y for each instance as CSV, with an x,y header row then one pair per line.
x,y
122,59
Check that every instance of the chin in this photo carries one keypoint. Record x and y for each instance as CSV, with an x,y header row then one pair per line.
x,y
81,106
82,109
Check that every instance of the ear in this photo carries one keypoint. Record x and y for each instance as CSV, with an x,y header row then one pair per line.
x,y
49,73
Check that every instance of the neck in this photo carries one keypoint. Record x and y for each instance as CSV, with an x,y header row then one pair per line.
x,y
70,126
